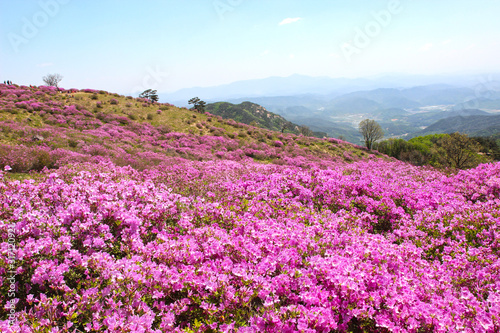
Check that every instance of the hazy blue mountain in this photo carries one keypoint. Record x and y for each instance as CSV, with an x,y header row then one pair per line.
x,y
297,112
387,98
489,80
447,96
351,105
482,103
369,101
428,118
436,94
333,129
272,86
301,84
279,104
479,125
396,123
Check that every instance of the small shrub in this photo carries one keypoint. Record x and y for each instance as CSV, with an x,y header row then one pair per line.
x,y
42,160
94,96
150,116
132,117
123,120
347,156
113,101
164,129
129,105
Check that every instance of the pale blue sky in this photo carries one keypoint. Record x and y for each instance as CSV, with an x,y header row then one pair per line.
x,y
125,46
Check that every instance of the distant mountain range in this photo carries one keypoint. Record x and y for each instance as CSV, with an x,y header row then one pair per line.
x,y
403,105
296,84
272,86
478,125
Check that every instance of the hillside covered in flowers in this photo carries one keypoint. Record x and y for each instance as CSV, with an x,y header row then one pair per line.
x,y
121,215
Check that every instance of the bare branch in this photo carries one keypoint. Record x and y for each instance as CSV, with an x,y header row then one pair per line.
x,y
52,79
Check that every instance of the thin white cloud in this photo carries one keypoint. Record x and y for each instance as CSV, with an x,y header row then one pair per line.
x,y
471,46
266,52
45,64
426,47
290,20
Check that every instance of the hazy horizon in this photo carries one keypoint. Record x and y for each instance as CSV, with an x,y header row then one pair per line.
x,y
129,46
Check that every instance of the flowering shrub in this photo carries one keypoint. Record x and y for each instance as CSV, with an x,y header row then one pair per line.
x,y
90,91
128,227
347,156
278,143
229,246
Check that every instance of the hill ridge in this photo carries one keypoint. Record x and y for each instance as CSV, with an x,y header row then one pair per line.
x,y
54,127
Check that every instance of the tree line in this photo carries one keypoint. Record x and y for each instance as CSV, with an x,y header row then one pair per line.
x,y
455,150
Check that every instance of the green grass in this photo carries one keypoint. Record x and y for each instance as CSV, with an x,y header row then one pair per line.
x,y
171,118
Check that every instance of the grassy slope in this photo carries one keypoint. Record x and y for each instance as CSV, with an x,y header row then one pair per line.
x,y
19,125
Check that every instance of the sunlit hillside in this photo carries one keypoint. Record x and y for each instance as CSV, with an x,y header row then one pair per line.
x,y
41,127
122,215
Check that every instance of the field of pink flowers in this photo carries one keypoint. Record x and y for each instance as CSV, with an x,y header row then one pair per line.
x,y
123,226
223,246
76,128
